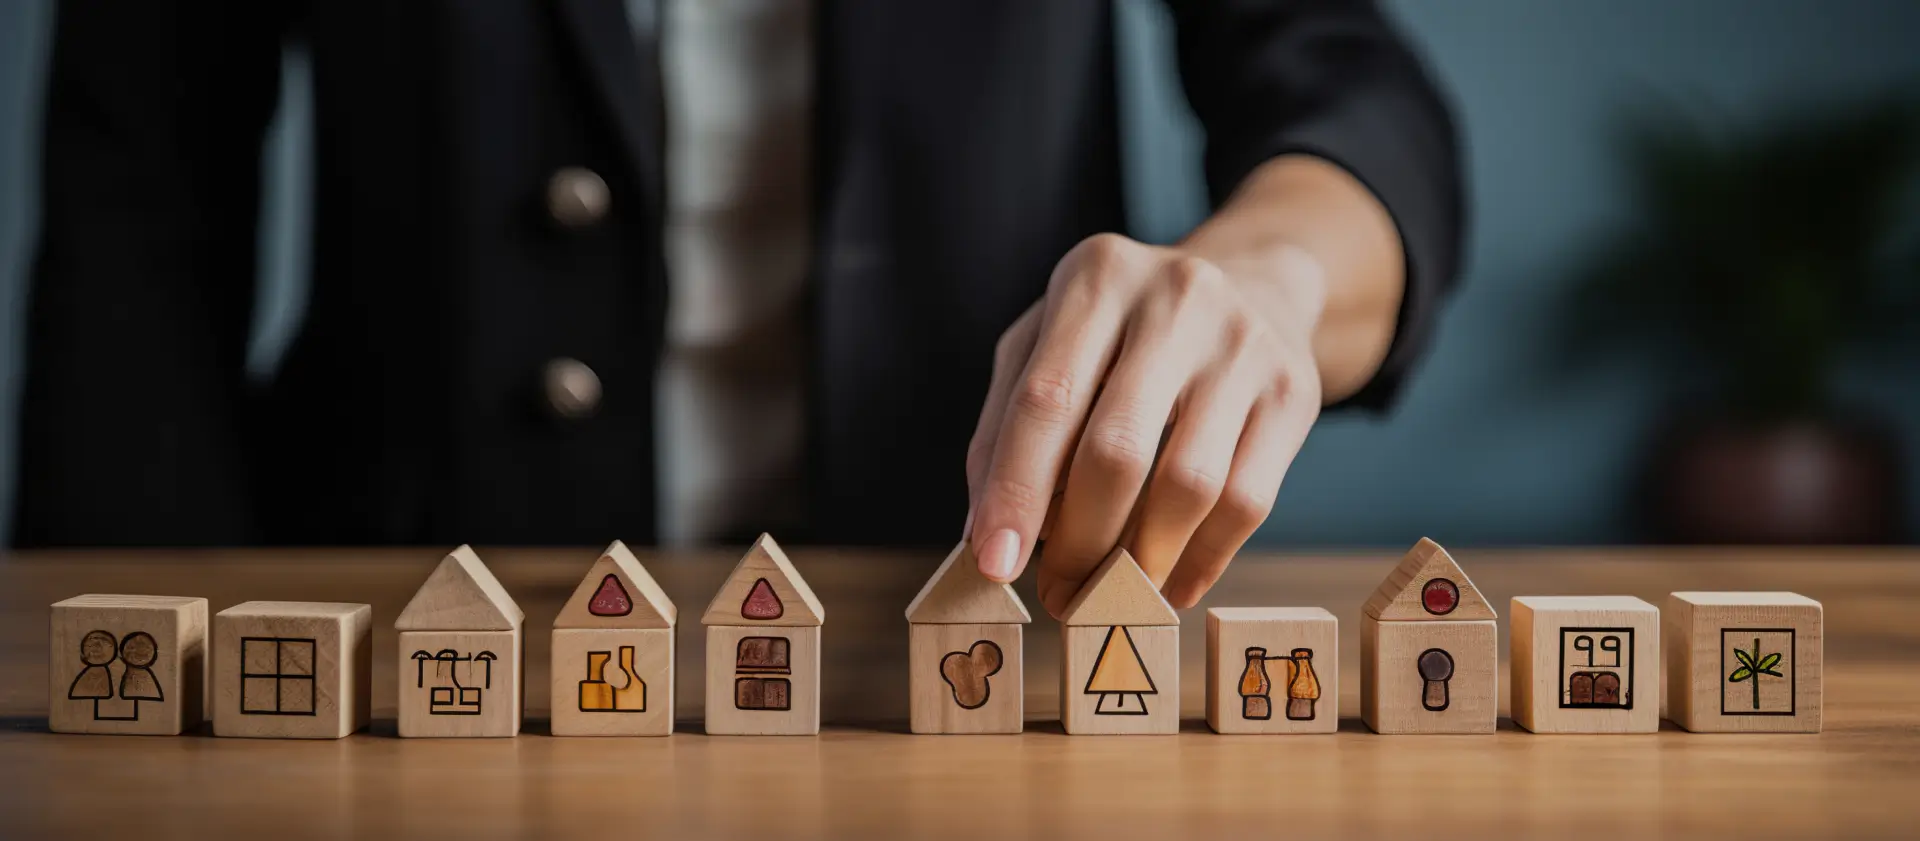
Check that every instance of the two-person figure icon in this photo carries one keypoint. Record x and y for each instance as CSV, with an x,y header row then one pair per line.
x,y
136,653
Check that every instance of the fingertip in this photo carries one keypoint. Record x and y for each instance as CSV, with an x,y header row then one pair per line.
x,y
999,555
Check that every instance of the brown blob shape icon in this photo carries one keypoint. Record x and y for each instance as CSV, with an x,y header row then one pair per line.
x,y
761,603
966,672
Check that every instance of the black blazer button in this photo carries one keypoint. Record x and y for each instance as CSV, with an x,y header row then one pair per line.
x,y
577,197
572,389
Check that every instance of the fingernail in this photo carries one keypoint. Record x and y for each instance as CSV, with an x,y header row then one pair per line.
x,y
999,555
966,531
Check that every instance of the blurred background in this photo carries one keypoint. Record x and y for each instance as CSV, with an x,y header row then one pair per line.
x,y
1688,311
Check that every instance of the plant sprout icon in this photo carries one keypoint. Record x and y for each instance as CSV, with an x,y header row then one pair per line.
x,y
1752,666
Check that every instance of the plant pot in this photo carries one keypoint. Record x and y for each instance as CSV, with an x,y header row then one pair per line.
x,y
1719,480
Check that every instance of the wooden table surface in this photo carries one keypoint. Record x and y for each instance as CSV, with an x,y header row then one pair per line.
x,y
865,777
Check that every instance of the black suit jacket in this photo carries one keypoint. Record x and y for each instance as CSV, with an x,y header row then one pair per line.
x,y
962,148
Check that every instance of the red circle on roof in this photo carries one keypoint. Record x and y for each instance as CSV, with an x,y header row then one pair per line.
x,y
1440,597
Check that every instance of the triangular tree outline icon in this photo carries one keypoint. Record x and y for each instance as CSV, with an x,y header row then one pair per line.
x,y
1119,674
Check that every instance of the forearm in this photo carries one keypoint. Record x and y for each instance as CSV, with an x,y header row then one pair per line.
x,y
1318,252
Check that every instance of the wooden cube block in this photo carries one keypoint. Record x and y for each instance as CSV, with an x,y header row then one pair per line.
x,y
292,670
460,683
966,678
127,664
1273,670
612,682
1429,676
461,650
1121,660
1744,662
612,666
965,663
763,681
1586,664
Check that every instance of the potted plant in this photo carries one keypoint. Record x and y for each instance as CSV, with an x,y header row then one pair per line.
x,y
1752,262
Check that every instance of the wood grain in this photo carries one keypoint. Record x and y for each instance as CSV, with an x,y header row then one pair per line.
x,y
1279,632
937,703
765,561
1698,629
324,654
1158,650
725,717
866,777
1543,655
461,594
1118,593
1399,597
957,594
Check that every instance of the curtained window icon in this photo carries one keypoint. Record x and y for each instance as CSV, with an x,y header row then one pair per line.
x,y
763,674
276,676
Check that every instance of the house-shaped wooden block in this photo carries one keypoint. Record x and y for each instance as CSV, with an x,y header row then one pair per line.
x,y
763,649
1586,664
292,670
1120,665
964,651
1744,662
613,653
461,654
1429,657
127,664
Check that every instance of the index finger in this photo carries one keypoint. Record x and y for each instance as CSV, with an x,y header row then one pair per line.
x,y
1045,410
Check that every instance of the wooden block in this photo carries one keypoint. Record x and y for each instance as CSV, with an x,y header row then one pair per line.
x,y
612,682
1428,586
292,670
763,680
1273,670
957,594
460,683
1586,664
765,589
1744,662
1120,680
1120,659
461,650
127,664
612,667
1429,676
966,678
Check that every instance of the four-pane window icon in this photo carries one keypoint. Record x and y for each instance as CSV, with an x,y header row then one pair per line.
x,y
276,676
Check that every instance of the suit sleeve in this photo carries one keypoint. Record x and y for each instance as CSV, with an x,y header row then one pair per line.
x,y
133,411
1332,79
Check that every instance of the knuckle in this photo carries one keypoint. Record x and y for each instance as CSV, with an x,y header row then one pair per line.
x,y
1046,396
1119,448
1191,484
1015,494
1191,277
1245,508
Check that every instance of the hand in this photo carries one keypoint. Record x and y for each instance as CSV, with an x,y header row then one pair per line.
x,y
1153,400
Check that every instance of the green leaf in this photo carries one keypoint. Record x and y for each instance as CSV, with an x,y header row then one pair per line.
x,y
1739,674
1768,662
1744,658
1770,672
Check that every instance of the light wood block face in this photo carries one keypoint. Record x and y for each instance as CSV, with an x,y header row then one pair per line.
x,y
1744,662
292,670
1586,664
612,682
460,683
1429,676
127,664
763,680
1273,670
966,678
1120,679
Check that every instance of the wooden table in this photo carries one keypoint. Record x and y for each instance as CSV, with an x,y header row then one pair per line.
x,y
864,777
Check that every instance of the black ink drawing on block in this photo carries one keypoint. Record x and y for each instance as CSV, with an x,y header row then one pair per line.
x,y
599,696
1596,668
1436,669
276,676
1119,676
1756,669
762,674
136,654
460,698
966,673
1256,687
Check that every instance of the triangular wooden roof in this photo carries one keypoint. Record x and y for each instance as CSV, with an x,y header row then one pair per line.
x,y
1402,596
957,594
460,595
785,599
617,593
1119,593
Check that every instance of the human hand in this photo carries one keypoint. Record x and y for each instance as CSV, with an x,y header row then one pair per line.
x,y
1152,399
